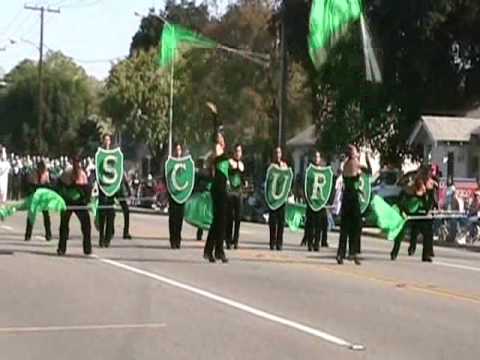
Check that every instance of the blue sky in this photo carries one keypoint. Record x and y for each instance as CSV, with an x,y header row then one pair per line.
x,y
90,31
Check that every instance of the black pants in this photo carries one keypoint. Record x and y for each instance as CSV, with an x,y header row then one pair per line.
x,y
126,217
234,215
350,225
84,219
216,234
276,223
316,228
424,227
46,224
106,218
175,221
199,234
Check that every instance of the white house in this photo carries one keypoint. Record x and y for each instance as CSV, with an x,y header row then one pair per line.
x,y
451,142
301,144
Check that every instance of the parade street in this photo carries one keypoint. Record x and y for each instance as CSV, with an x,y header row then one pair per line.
x,y
141,300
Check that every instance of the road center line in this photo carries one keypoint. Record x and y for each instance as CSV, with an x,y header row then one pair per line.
x,y
239,306
29,329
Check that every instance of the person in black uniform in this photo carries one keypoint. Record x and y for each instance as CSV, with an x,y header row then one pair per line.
x,y
122,195
38,179
276,219
106,212
316,225
234,212
175,212
75,190
351,217
418,201
216,234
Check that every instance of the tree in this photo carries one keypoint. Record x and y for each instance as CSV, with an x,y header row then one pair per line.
x,y
137,99
68,102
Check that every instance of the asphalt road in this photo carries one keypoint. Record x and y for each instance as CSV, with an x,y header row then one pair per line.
x,y
141,300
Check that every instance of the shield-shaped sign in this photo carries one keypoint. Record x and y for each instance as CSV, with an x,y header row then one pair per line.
x,y
365,191
180,178
318,186
109,167
277,186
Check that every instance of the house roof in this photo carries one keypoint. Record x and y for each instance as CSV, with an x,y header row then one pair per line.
x,y
304,138
446,128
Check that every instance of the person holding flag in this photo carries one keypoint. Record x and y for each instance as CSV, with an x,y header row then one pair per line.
x,y
351,210
318,187
219,170
76,191
278,184
237,169
40,178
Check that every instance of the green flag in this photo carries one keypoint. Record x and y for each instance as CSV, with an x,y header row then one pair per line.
x,y
328,20
199,210
175,38
295,216
42,200
387,218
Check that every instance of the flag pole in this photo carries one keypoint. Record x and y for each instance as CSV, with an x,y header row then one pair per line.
x,y
170,120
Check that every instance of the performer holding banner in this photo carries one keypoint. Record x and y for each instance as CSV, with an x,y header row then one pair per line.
x,y
38,179
318,187
237,168
109,169
355,200
278,184
75,191
216,233
180,179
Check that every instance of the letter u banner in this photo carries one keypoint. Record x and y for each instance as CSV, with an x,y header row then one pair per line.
x,y
278,184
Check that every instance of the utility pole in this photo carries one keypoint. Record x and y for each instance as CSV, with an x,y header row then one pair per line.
x,y
42,10
282,110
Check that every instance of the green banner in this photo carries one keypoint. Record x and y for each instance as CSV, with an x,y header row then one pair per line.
x,y
180,178
278,184
109,167
365,191
318,186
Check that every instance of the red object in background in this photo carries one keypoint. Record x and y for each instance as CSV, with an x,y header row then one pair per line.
x,y
464,189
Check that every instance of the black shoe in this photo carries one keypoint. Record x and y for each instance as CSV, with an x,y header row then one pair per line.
x,y
356,260
27,238
272,247
87,249
48,237
316,248
310,248
222,258
60,252
279,248
427,259
411,252
340,260
229,246
325,245
393,257
210,258
127,236
235,246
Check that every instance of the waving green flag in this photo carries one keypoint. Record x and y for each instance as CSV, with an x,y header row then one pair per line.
x,y
328,21
175,38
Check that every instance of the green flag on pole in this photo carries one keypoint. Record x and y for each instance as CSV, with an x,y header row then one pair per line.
x,y
328,20
175,38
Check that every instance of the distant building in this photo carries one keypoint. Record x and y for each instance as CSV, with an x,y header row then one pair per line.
x,y
451,142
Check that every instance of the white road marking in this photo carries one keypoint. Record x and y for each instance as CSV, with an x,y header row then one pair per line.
x,y
6,227
239,306
28,329
457,266
38,237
